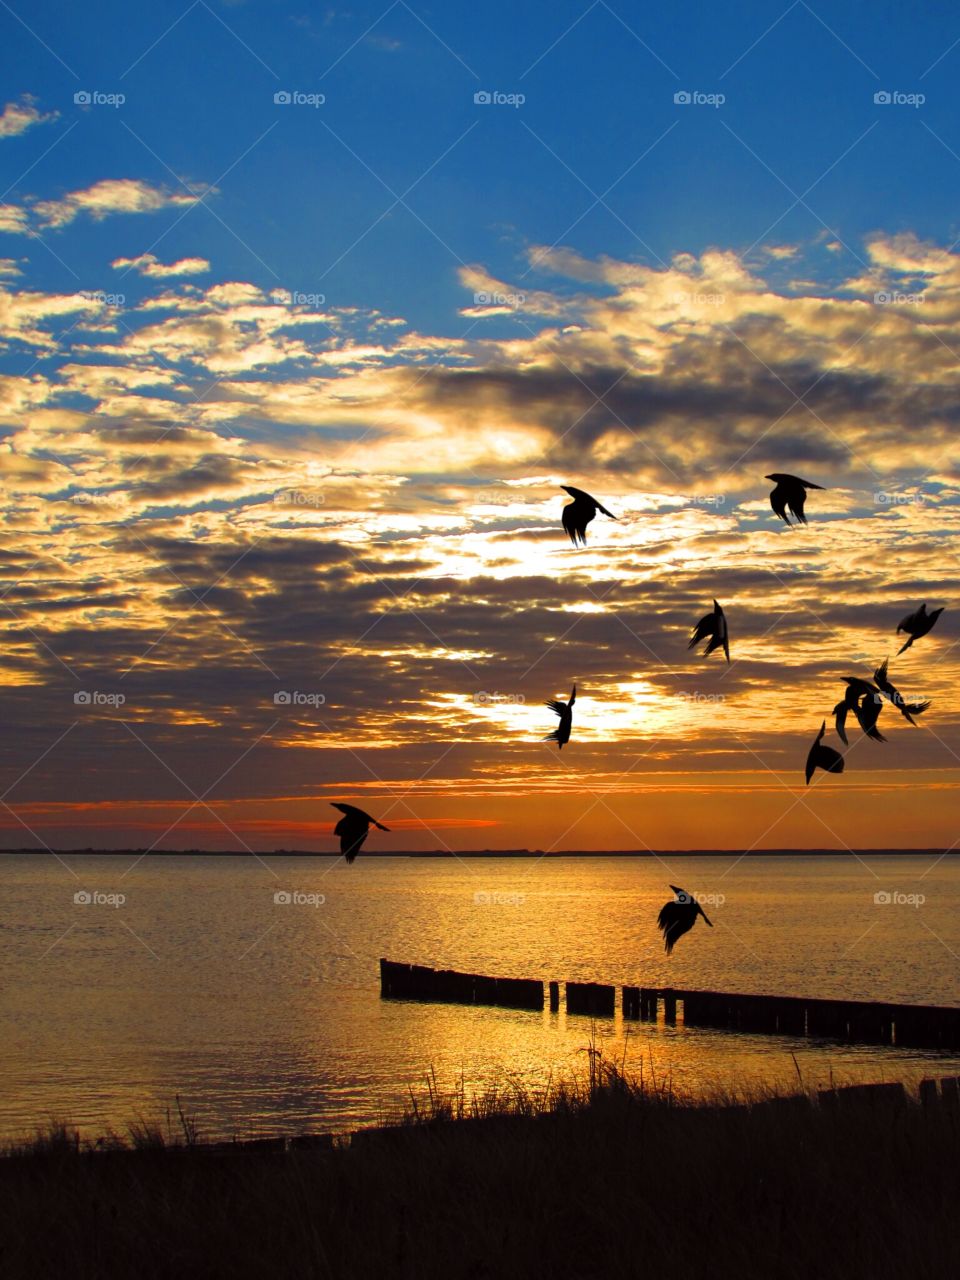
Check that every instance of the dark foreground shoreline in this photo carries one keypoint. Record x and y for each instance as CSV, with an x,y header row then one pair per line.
x,y
623,1184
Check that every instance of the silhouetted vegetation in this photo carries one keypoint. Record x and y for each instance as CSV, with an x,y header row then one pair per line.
x,y
607,1178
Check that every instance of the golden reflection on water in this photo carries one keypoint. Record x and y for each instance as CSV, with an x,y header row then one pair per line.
x,y
266,1017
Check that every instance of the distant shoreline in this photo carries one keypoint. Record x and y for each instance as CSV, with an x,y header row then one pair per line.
x,y
538,854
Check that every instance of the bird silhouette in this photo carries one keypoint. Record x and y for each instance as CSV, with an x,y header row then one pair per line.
x,y
678,917
564,710
790,492
847,703
353,828
713,625
864,700
917,625
907,709
578,514
823,757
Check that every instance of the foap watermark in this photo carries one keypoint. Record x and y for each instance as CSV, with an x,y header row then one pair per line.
x,y
705,499
895,98
297,898
97,698
514,301
105,299
294,698
297,298
702,899
497,899
298,498
488,698
94,98
897,899
884,499
494,98
891,298
296,98
682,298
95,898
94,499
694,98
697,695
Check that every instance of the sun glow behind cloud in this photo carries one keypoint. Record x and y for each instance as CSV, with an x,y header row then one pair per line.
x,y
215,494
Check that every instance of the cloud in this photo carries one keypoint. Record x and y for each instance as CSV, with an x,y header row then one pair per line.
x,y
20,116
150,266
113,196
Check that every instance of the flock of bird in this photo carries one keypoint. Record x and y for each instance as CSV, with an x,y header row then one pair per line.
x,y
863,699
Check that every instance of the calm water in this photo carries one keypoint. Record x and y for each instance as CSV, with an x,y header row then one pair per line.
x,y
266,1016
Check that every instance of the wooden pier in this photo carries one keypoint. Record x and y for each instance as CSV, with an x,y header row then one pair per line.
x,y
858,1021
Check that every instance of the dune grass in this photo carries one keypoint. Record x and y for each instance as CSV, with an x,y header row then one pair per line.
x,y
601,1177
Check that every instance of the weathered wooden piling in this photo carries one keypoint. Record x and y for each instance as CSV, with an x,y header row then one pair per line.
x,y
554,997
630,1003
648,1004
669,1006
950,1091
593,998
929,1093
888,1096
417,982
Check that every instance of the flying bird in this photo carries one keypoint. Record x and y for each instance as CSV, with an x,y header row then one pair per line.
x,y
917,625
678,917
578,514
907,709
564,710
864,700
790,492
713,625
353,829
822,757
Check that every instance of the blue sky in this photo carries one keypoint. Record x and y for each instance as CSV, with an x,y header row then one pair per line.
x,y
297,185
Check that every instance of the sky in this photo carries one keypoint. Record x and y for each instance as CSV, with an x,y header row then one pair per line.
x,y
306,314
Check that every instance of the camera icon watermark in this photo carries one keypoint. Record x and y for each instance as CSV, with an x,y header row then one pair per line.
x,y
494,98
297,898
694,98
295,98
294,698
96,698
94,898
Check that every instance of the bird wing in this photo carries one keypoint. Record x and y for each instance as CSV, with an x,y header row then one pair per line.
x,y
351,811
840,719
880,675
778,501
703,629
606,512
807,484
580,494
558,708
674,920
796,501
